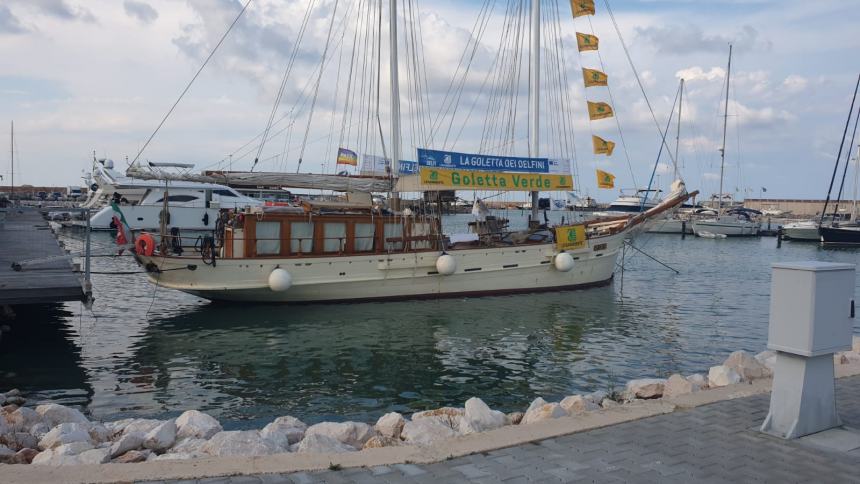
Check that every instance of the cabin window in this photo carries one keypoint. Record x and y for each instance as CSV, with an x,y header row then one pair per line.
x,y
393,231
335,237
302,237
268,238
364,234
420,229
224,193
177,198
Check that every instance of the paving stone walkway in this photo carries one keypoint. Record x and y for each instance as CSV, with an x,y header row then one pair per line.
x,y
712,443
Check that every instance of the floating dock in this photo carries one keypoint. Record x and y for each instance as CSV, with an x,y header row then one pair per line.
x,y
48,275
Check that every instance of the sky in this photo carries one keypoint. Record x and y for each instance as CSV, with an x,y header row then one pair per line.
x,y
84,76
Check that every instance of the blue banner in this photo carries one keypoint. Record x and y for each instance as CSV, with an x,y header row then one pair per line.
x,y
468,161
408,167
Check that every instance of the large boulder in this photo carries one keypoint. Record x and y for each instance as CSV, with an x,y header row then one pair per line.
x,y
428,430
576,404
767,358
188,446
596,396
239,443
22,440
379,441
99,433
541,410
127,442
354,434
94,456
54,414
23,419
142,425
198,425
6,455
677,385
390,425
746,366
479,417
284,431
25,456
131,457
321,443
645,388
162,437
697,379
451,413
66,433
63,454
721,375
5,426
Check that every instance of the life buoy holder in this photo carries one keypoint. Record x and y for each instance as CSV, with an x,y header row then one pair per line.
x,y
144,245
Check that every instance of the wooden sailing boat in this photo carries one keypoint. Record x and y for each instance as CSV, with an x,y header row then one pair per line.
x,y
728,222
350,251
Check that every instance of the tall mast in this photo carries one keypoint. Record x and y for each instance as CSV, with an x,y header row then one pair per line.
x,y
856,176
534,98
678,134
395,94
12,152
725,123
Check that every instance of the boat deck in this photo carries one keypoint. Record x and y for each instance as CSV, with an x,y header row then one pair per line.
x,y
27,236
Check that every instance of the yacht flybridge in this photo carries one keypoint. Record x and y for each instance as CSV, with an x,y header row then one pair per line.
x,y
350,249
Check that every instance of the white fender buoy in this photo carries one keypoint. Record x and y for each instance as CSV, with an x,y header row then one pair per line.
x,y
563,262
280,280
446,265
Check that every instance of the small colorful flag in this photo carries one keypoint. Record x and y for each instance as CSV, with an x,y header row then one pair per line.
x,y
124,235
582,7
601,146
593,77
605,179
346,157
599,111
586,42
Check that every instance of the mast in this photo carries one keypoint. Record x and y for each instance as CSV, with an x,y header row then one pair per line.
x,y
12,152
678,134
725,124
534,98
856,176
395,97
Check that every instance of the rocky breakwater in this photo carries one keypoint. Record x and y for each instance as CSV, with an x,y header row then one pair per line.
x,y
55,435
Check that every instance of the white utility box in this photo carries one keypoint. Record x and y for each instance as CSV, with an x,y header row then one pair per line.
x,y
810,308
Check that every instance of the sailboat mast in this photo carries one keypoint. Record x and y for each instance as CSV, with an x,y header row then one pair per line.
x,y
395,95
725,124
678,134
534,98
12,153
856,176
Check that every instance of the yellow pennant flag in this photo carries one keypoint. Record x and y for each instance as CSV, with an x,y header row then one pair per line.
x,y
601,146
593,77
582,7
599,111
605,179
586,42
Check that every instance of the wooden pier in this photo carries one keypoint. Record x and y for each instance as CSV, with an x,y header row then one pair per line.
x,y
47,276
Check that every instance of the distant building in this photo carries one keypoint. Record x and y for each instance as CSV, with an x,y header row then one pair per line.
x,y
30,192
796,206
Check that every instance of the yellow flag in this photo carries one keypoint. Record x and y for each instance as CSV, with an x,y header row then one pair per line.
x,y
593,77
582,7
570,237
599,111
601,146
605,179
586,42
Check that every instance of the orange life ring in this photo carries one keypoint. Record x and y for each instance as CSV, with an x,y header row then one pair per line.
x,y
145,244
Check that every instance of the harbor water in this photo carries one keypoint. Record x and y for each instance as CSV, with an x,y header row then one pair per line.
x,y
146,351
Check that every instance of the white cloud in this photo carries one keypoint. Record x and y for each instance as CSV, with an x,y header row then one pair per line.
x,y
696,73
794,83
142,11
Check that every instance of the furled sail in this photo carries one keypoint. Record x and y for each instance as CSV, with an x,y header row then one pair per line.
x,y
254,179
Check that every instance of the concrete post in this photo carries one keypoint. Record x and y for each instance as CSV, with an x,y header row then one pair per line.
x,y
810,319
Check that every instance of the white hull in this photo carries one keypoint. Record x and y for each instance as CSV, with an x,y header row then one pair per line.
x,y
384,277
801,231
146,217
728,226
669,226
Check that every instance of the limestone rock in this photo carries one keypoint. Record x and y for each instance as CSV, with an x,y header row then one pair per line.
x,y
23,419
596,396
198,425
5,426
479,417
94,456
66,433
609,403
746,366
131,457
697,379
514,418
25,456
162,437
99,433
541,410
188,446
321,443
53,415
142,425
451,412
354,434
13,393
116,427
24,440
6,452
19,401
390,425
238,443
677,385
575,404
721,375
428,430
63,454
177,456
767,358
284,431
645,388
127,442
378,441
